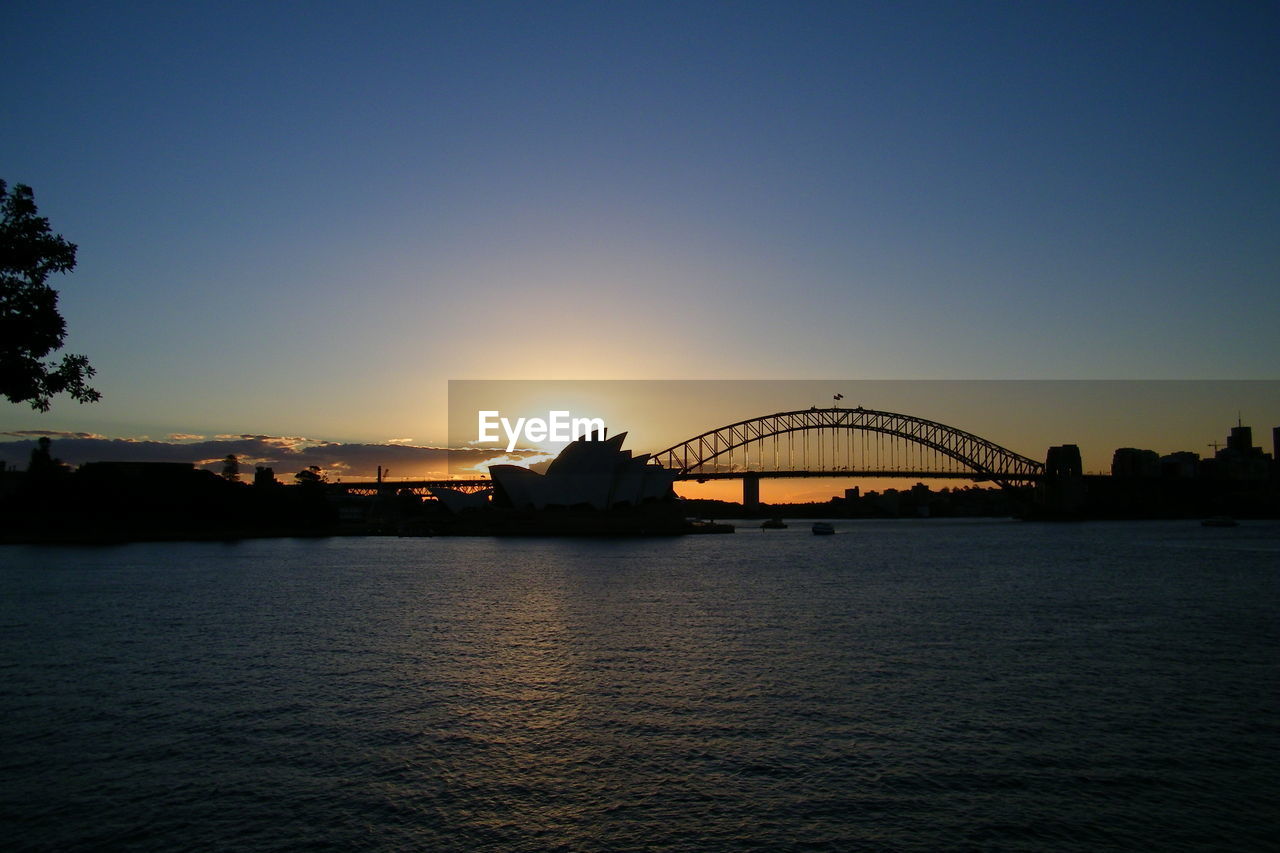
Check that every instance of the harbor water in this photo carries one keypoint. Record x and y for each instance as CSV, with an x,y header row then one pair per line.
x,y
902,685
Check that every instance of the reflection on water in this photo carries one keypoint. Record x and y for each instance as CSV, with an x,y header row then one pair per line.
x,y
901,685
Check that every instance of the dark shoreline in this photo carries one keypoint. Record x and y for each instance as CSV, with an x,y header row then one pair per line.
x,y
523,528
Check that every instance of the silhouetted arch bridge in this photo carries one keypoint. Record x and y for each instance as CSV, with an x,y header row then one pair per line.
x,y
833,442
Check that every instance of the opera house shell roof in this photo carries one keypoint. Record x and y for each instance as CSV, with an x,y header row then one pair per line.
x,y
589,472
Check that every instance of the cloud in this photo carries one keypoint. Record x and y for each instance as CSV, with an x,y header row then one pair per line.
x,y
49,433
185,436
282,440
535,461
285,454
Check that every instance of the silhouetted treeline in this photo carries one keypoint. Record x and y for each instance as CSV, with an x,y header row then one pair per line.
x,y
1095,497
111,501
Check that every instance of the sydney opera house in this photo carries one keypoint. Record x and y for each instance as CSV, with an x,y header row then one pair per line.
x,y
589,473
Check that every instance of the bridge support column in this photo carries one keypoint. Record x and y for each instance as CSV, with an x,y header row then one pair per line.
x,y
751,494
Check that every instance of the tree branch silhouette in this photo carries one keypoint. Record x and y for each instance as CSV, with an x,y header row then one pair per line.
x,y
30,326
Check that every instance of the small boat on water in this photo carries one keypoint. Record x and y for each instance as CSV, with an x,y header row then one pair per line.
x,y
822,528
706,525
1220,521
773,524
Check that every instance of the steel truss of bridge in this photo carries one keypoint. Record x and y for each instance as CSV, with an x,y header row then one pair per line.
x,y
839,442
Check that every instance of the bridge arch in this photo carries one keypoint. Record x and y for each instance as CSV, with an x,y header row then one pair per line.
x,y
712,453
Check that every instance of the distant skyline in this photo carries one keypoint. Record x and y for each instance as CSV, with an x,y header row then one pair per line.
x,y
1024,416
303,220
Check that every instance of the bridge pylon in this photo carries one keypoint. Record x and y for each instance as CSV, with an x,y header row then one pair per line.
x,y
751,493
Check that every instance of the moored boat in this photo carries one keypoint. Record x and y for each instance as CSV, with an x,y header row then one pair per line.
x,y
822,528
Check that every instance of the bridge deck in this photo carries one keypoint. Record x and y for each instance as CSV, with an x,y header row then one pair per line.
x,y
847,474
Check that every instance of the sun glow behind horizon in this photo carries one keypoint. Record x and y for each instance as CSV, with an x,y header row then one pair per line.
x,y
1024,416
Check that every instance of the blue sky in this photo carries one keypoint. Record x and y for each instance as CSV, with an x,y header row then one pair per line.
x,y
302,219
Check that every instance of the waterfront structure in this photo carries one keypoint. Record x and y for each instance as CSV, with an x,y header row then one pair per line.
x,y
1129,462
1179,465
1239,460
588,473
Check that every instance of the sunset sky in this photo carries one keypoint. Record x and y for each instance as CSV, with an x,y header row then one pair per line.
x,y
301,220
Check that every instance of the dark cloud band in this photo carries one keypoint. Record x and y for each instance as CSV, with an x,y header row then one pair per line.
x,y
286,455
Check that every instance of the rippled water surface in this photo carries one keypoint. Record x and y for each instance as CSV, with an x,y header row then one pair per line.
x,y
899,686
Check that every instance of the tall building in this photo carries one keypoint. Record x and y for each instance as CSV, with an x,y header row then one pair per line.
x,y
1130,462
1240,460
1241,439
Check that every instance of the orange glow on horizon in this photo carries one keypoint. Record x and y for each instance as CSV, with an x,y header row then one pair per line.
x,y
784,490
